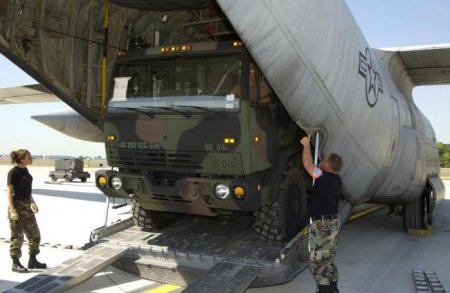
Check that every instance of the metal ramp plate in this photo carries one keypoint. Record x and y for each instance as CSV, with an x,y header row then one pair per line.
x,y
427,281
72,271
225,277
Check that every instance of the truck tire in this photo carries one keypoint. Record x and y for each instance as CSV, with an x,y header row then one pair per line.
x,y
418,215
83,179
284,217
152,220
53,177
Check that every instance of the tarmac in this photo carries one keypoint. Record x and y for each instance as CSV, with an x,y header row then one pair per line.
x,y
374,254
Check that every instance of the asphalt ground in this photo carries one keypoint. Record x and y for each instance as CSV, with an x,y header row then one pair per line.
x,y
374,254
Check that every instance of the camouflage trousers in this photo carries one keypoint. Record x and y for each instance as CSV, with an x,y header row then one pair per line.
x,y
26,224
322,243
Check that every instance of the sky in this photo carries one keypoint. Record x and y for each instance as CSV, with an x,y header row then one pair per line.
x,y
385,23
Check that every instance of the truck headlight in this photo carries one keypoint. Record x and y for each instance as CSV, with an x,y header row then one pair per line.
x,y
222,191
116,182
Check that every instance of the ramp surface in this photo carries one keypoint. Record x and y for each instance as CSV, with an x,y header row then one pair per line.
x,y
72,271
225,277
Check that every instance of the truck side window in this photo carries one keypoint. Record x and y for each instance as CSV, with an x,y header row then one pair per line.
x,y
252,92
265,91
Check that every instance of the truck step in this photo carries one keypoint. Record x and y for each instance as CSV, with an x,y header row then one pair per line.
x,y
225,277
72,271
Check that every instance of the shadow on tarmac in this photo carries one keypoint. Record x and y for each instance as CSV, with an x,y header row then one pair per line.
x,y
98,197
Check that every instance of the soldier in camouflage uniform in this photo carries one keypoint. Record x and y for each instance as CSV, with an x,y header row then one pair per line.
x,y
21,212
323,209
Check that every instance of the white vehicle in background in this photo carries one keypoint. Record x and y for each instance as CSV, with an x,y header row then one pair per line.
x,y
69,169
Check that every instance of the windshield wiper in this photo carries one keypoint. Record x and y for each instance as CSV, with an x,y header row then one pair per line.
x,y
201,108
188,115
151,115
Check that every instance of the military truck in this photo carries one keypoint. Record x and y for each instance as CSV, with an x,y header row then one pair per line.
x,y
196,129
69,169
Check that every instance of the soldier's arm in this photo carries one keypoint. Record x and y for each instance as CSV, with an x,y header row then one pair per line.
x,y
307,156
9,190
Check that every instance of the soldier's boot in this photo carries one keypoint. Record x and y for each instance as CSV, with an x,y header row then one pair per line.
x,y
334,288
325,289
34,264
17,266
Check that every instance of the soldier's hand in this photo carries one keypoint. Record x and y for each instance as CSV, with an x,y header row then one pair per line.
x,y
13,215
305,140
34,208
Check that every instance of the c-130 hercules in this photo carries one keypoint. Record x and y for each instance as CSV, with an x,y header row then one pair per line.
x,y
207,101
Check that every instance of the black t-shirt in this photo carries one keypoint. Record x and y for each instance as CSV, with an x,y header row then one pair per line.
x,y
325,195
21,180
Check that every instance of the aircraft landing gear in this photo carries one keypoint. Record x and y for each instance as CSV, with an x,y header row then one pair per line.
x,y
418,215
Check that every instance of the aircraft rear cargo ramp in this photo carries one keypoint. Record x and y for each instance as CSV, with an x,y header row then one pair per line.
x,y
198,252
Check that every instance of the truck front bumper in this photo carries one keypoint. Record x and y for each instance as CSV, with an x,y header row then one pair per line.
x,y
190,195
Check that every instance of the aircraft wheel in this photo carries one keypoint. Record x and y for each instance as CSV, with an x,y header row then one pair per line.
x,y
418,214
284,217
428,195
152,220
53,177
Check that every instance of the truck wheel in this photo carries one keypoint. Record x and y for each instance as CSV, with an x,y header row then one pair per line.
x,y
418,214
53,177
284,217
152,220
83,179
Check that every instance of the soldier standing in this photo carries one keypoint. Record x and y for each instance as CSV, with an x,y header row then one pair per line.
x,y
21,212
323,209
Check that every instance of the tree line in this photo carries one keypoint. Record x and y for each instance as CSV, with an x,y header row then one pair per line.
x,y
444,154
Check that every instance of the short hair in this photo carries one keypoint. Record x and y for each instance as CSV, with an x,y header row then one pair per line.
x,y
19,155
335,162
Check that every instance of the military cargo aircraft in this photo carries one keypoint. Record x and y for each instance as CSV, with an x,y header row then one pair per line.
x,y
201,103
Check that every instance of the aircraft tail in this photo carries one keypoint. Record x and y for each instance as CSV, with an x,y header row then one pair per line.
x,y
424,65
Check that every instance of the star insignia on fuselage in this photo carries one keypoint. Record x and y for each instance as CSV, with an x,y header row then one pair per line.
x,y
374,83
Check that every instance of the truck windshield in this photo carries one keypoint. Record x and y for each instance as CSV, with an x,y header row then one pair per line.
x,y
184,82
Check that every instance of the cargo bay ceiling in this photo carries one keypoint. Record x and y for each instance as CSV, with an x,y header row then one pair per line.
x,y
60,43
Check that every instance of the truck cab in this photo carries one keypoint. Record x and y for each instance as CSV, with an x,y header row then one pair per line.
x,y
196,129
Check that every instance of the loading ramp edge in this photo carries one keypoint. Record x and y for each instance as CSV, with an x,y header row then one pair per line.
x,y
72,271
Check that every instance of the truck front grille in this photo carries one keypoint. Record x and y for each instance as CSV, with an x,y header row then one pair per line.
x,y
155,160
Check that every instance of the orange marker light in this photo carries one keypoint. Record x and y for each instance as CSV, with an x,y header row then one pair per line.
x,y
101,181
239,192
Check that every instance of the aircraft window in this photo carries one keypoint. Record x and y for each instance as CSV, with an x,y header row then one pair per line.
x,y
396,109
